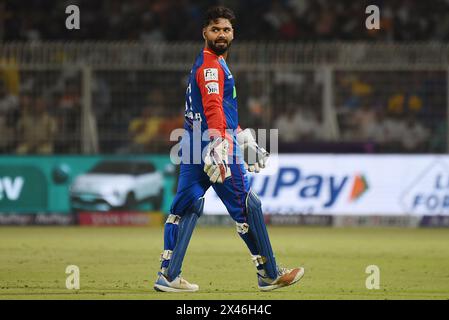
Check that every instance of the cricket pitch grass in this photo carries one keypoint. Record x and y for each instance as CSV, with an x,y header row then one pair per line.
x,y
121,263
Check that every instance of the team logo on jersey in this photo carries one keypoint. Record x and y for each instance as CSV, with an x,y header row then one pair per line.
x,y
211,74
212,88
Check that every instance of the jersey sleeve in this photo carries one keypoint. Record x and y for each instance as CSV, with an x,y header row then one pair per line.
x,y
210,80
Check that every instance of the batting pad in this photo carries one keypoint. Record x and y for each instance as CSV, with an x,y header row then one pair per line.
x,y
185,230
259,231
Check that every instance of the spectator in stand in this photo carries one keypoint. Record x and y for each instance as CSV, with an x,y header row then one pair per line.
x,y
416,136
288,126
257,106
168,125
144,131
68,117
363,122
394,131
296,125
36,129
292,20
375,130
8,113
8,101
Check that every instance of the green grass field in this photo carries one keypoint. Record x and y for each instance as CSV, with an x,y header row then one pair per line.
x,y
121,263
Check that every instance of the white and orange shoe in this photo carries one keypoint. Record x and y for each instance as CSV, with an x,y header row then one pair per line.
x,y
177,285
286,277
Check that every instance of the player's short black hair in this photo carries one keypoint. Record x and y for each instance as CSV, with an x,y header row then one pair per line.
x,y
217,12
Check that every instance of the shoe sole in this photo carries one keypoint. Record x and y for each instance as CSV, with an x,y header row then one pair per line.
x,y
161,288
298,277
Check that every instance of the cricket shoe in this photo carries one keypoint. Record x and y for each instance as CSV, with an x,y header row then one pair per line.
x,y
285,278
177,285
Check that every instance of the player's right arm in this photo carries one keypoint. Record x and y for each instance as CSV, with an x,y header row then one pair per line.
x,y
210,80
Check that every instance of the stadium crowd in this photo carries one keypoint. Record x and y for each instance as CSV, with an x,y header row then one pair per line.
x,y
180,20
374,111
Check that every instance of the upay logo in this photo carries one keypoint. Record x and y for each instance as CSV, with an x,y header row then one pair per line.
x,y
359,187
322,190
429,192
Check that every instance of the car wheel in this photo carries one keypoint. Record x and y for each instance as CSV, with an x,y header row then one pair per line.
x,y
157,200
130,201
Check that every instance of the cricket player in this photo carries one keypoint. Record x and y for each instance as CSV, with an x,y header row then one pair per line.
x,y
211,109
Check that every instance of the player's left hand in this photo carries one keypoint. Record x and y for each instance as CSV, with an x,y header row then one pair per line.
x,y
255,156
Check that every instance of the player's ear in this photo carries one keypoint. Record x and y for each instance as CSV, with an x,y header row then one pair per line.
x,y
204,33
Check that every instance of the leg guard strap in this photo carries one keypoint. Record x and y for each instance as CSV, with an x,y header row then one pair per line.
x,y
166,255
242,228
172,218
258,260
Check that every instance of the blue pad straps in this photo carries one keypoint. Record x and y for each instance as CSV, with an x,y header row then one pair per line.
x,y
259,231
185,230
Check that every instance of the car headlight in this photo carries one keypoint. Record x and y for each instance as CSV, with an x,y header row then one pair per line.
x,y
73,187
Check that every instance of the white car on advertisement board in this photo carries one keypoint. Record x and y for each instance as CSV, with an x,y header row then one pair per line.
x,y
112,185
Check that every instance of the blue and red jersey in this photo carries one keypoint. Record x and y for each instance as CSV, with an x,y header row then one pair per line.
x,y
211,103
211,96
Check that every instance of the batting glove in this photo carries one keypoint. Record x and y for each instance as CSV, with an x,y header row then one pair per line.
x,y
255,157
216,160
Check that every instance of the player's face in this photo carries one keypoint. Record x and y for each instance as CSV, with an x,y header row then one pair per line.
x,y
219,35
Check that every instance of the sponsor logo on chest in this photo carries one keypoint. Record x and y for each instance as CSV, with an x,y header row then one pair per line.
x,y
211,74
212,88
